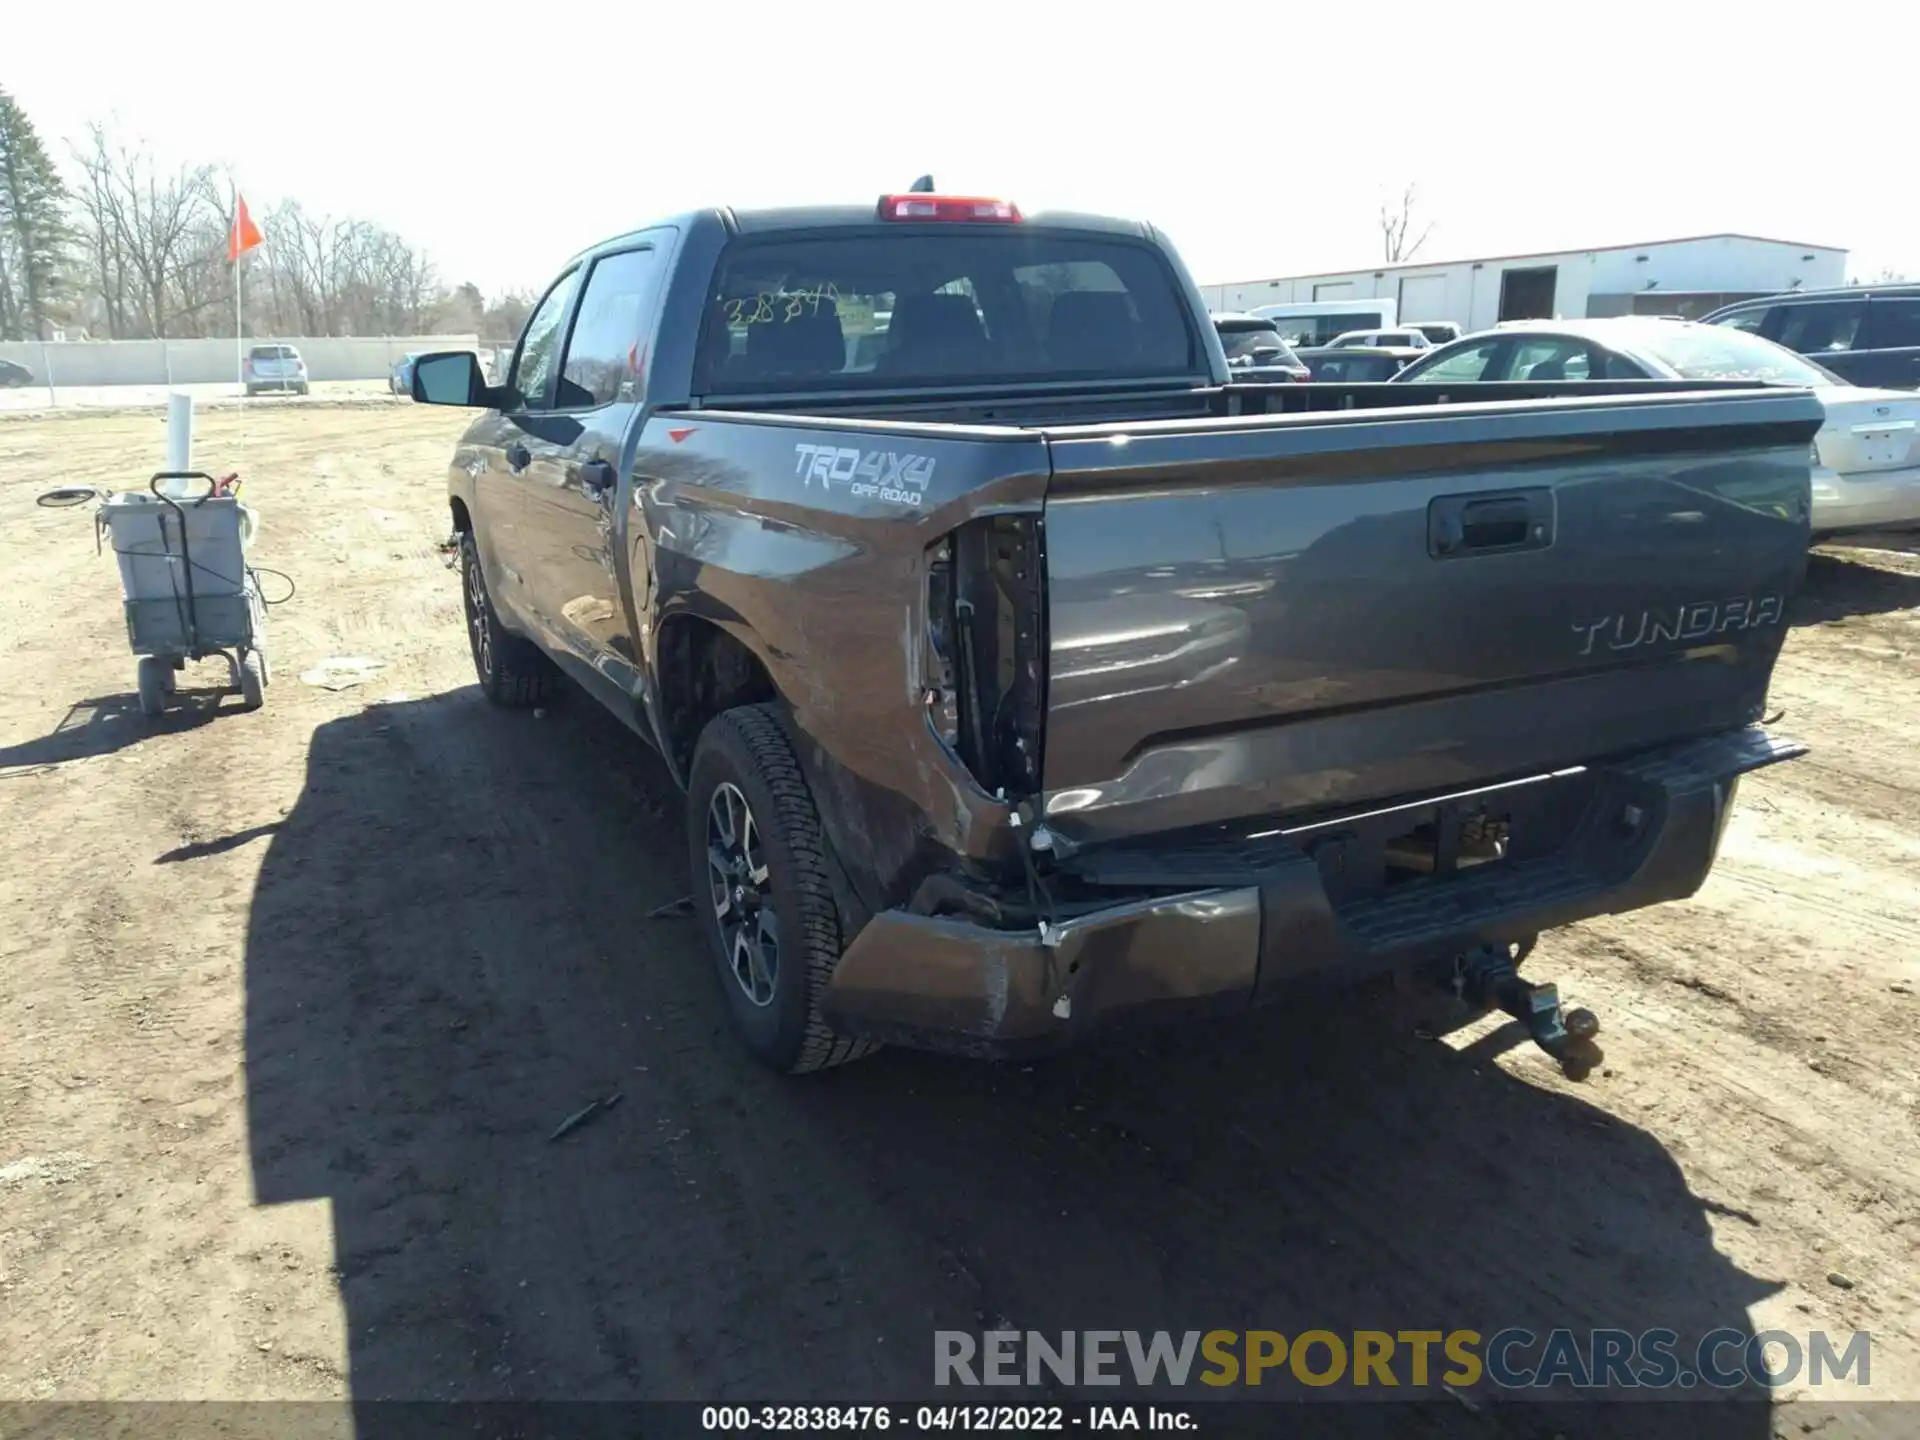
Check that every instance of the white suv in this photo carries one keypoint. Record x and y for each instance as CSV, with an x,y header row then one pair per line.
x,y
275,367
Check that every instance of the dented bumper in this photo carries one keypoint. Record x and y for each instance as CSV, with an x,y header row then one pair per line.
x,y
1259,921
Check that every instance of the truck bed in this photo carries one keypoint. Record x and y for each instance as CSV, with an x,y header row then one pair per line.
x,y
1293,599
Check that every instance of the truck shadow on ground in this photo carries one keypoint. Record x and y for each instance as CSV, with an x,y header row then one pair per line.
x,y
449,953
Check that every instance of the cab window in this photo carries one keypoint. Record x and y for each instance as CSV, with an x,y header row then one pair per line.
x,y
536,362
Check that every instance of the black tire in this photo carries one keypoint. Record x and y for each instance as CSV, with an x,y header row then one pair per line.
x,y
746,751
512,671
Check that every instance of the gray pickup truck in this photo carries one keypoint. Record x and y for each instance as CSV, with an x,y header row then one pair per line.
x,y
1024,672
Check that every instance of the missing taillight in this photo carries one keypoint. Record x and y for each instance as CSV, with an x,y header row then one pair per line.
x,y
987,634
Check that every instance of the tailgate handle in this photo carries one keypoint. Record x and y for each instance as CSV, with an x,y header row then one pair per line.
x,y
1501,522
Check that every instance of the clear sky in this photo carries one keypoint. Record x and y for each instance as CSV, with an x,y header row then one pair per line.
x,y
1261,136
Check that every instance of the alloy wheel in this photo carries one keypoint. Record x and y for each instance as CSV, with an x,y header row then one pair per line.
x,y
737,880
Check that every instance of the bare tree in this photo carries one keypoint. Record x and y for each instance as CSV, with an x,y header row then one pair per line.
x,y
149,236
322,276
506,317
1396,224
154,247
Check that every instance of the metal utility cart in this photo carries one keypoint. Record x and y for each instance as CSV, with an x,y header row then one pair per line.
x,y
189,591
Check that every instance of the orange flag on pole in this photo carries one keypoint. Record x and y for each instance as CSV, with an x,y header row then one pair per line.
x,y
245,234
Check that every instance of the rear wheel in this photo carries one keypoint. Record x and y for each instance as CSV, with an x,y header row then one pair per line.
x,y
760,891
512,671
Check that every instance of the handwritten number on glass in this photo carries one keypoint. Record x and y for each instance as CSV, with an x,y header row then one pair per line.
x,y
781,306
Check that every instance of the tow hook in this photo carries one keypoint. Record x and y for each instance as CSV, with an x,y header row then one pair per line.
x,y
1487,977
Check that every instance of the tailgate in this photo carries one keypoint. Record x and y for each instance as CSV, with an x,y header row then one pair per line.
x,y
1274,616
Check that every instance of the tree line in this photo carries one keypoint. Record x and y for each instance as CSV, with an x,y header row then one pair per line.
x,y
115,246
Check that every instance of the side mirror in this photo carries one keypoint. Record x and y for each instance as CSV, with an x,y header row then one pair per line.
x,y
452,377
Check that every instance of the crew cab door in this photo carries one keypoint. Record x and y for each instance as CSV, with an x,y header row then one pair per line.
x,y
574,505
504,449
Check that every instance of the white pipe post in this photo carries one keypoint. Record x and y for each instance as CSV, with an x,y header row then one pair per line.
x,y
46,364
179,433
239,320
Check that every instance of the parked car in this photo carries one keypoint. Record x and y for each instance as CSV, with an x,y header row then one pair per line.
x,y
1356,364
1866,456
1408,339
274,367
1438,332
1261,712
401,380
1866,334
13,375
1255,350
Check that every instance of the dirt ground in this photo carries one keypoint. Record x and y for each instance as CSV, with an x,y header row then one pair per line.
x,y
290,1002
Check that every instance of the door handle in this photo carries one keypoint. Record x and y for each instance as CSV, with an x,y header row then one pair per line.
x,y
596,477
1461,525
518,457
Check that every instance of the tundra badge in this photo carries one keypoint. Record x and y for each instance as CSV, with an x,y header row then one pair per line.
x,y
1699,620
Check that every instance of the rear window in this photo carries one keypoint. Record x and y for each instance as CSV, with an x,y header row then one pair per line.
x,y
1355,369
909,308
1243,341
274,352
1715,352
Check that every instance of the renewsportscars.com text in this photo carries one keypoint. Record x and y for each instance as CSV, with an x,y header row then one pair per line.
x,y
1514,1358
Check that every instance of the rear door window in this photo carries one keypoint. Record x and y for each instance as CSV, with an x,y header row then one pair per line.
x,y
1893,323
907,307
1550,358
1822,327
1471,362
606,351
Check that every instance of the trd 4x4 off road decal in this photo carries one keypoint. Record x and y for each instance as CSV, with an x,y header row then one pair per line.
x,y
900,478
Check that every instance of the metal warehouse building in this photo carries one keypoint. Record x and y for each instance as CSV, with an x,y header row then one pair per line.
x,y
1686,277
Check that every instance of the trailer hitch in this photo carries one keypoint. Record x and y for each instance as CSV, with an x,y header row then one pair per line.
x,y
1487,977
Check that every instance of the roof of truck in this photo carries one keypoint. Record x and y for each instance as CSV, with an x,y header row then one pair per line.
x,y
822,217
773,219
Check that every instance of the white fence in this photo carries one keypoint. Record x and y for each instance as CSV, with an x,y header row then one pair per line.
x,y
208,362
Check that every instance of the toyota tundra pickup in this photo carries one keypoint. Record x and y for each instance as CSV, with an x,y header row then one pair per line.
x,y
1024,672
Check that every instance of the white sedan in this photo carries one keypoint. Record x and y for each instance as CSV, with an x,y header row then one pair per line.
x,y
1866,457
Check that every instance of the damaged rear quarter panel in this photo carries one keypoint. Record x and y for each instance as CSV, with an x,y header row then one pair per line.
x,y
807,540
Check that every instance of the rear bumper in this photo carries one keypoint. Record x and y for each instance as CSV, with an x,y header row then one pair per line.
x,y
1866,500
1258,924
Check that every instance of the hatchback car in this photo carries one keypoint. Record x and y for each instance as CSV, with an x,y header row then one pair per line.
x,y
274,367
1256,351
1866,457
400,381
13,375
1866,335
